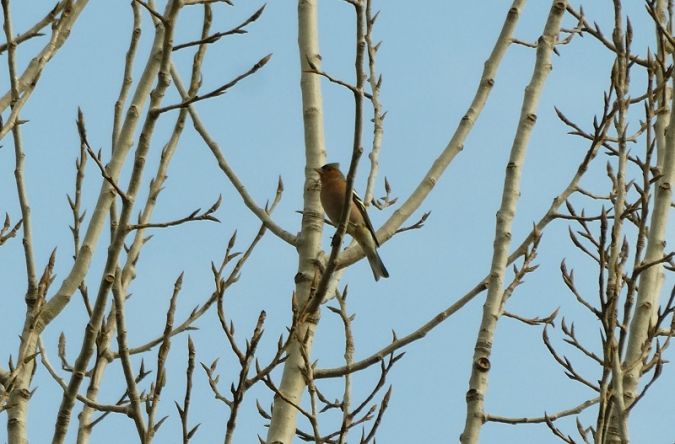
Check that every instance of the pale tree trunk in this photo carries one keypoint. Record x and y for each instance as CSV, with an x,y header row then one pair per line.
x,y
662,118
107,193
282,426
17,414
480,367
84,427
615,266
165,34
128,273
651,280
21,89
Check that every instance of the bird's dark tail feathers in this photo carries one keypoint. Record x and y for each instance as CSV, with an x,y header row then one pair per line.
x,y
379,270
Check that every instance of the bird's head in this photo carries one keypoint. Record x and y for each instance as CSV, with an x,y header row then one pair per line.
x,y
329,170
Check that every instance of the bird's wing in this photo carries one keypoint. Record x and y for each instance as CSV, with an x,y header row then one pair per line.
x,y
362,209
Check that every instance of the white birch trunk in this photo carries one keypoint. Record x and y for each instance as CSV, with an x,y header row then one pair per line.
x,y
480,367
663,116
19,396
649,289
282,426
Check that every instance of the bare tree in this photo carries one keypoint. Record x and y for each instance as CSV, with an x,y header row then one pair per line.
x,y
621,230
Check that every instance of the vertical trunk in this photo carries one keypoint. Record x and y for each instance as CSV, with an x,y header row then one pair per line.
x,y
85,417
17,413
663,116
19,396
612,392
651,281
282,426
480,368
93,326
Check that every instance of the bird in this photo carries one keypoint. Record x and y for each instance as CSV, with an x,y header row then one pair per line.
x,y
333,189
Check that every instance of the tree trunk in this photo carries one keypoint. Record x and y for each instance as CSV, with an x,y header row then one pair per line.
x,y
282,426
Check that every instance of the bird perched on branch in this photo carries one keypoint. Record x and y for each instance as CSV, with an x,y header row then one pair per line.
x,y
333,189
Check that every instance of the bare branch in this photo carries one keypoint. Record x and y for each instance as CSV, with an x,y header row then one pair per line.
x,y
239,29
100,407
218,91
5,232
192,217
229,172
96,157
34,30
537,420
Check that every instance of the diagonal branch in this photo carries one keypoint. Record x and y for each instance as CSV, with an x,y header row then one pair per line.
x,y
34,30
456,143
218,91
239,29
229,172
82,131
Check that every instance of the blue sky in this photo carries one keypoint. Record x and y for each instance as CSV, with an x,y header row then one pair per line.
x,y
431,60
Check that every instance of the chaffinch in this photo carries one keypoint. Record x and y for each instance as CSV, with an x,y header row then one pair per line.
x,y
333,188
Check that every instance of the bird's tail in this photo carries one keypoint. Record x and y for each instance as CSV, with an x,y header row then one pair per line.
x,y
379,270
